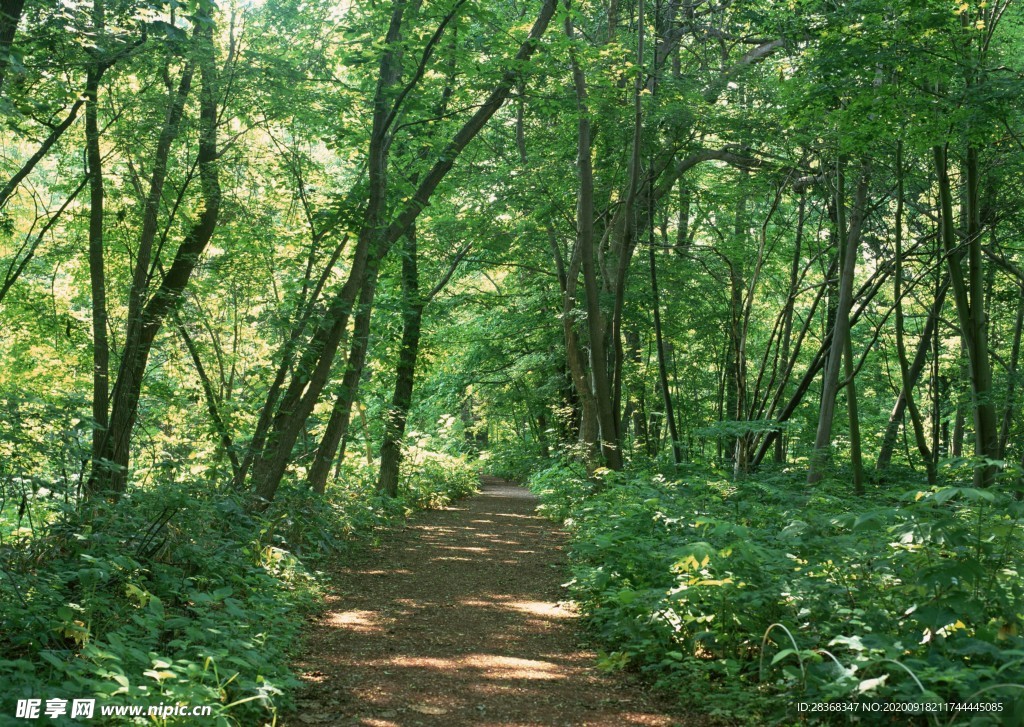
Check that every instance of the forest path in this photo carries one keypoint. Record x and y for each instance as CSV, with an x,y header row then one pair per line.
x,y
456,620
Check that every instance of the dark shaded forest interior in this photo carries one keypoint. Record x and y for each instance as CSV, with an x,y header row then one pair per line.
x,y
735,289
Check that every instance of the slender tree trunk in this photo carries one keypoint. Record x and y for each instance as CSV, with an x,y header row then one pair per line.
x,y
599,382
745,412
737,384
97,274
220,428
405,376
575,360
683,222
632,398
970,306
662,366
907,392
734,377
911,378
145,318
986,429
110,469
625,232
856,458
1011,375
849,240
542,428
341,413
959,432
787,315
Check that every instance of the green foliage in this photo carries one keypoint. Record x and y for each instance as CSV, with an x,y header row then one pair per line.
x,y
433,480
513,461
177,595
177,611
744,595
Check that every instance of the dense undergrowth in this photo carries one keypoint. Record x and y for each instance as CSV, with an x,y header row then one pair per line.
x,y
177,595
747,598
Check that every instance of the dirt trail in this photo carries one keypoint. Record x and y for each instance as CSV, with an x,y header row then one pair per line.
x,y
456,621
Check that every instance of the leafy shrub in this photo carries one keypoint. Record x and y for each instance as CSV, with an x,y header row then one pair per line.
x,y
433,480
749,593
513,461
147,603
179,595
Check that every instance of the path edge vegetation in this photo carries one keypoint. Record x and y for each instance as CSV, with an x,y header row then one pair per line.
x,y
742,598
219,623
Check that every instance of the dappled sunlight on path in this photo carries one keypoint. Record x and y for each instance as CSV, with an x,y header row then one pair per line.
x,y
457,620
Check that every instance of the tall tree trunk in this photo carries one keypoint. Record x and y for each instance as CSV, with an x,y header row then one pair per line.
x,y
736,396
341,412
683,222
734,377
907,392
110,468
849,241
662,365
145,318
968,294
97,273
624,236
745,412
599,381
405,376
635,413
787,315
1011,375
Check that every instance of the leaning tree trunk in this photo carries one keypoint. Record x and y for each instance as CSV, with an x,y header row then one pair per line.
x,y
910,380
849,239
398,412
145,318
314,366
341,413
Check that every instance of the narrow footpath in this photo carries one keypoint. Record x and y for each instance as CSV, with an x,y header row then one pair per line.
x,y
456,620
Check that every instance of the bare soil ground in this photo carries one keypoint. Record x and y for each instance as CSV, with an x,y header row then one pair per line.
x,y
457,620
